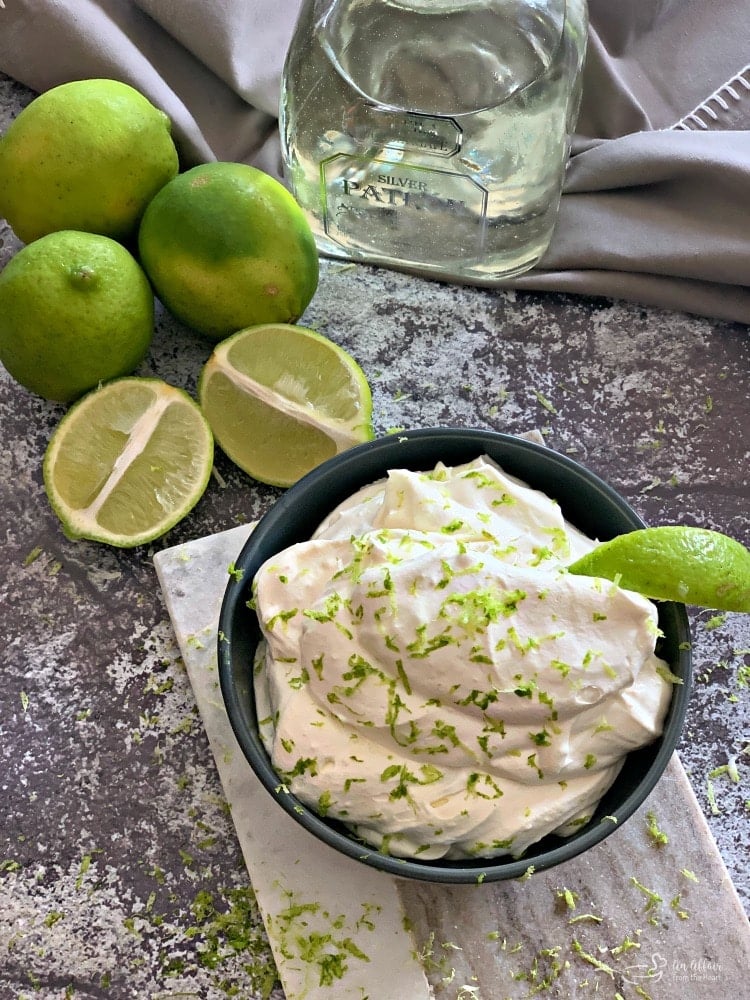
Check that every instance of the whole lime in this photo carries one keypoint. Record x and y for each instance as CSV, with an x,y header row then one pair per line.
x,y
86,155
75,310
226,246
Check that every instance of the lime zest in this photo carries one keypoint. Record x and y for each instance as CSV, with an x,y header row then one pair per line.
x,y
655,832
592,959
32,556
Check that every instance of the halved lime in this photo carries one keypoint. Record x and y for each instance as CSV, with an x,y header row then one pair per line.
x,y
128,461
675,563
281,399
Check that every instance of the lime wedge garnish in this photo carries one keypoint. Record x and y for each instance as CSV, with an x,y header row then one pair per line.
x,y
281,399
675,563
128,461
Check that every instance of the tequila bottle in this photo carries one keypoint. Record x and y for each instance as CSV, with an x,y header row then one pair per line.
x,y
433,135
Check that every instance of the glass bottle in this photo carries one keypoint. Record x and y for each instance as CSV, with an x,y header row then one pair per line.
x,y
432,135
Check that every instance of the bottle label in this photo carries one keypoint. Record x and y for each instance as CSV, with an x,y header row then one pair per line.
x,y
426,133
368,199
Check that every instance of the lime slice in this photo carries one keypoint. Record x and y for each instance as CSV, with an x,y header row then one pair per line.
x,y
128,461
675,563
281,399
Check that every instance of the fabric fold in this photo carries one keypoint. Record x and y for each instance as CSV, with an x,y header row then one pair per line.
x,y
47,42
665,203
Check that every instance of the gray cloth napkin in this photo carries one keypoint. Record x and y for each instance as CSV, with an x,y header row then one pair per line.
x,y
656,207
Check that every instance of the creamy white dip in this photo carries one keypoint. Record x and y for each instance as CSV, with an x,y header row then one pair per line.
x,y
432,676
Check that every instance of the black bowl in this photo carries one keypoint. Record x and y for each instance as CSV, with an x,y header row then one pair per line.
x,y
588,502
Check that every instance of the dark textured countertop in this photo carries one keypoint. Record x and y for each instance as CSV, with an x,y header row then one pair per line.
x,y
119,864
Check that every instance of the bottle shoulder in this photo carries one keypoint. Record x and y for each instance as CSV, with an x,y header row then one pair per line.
x,y
449,57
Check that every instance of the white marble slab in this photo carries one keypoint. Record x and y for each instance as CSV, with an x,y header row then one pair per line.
x,y
336,928
636,917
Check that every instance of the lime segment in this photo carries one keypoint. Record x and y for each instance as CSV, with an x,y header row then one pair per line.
x,y
675,563
128,462
281,399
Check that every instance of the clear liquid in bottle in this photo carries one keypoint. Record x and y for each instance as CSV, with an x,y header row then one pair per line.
x,y
432,135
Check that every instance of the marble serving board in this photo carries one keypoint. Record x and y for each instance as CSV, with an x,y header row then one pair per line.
x,y
649,913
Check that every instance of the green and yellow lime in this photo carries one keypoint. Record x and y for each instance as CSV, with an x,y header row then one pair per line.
x,y
226,246
127,462
86,155
675,563
281,399
76,309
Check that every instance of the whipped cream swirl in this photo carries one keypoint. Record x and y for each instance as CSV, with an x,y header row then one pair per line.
x,y
432,676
